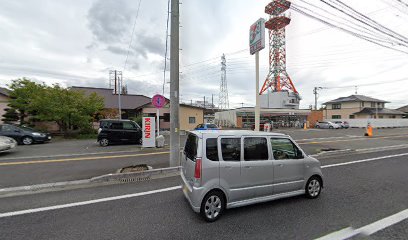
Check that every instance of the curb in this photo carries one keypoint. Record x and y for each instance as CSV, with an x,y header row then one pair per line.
x,y
108,178
137,176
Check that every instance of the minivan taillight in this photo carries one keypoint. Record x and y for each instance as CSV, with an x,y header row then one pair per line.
x,y
197,170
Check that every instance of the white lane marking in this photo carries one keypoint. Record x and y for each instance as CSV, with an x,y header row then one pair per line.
x,y
76,204
368,229
364,160
154,191
341,234
307,139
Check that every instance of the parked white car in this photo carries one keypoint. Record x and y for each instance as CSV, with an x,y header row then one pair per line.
x,y
327,124
6,144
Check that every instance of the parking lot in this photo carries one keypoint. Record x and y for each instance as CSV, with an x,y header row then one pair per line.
x,y
365,182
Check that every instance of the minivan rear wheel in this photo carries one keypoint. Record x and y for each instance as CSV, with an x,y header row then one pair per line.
x,y
213,206
313,187
104,142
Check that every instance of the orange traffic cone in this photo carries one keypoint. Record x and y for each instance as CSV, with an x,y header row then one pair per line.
x,y
369,131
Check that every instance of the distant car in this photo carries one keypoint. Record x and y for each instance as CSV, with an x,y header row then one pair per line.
x,y
24,135
342,124
327,124
118,131
207,126
7,144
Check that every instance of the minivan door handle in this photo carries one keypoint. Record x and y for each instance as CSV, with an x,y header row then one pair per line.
x,y
229,167
247,166
280,165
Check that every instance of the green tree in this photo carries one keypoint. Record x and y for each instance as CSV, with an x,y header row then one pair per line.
x,y
69,109
22,93
11,115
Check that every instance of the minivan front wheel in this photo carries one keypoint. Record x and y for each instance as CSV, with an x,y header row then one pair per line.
x,y
212,206
313,187
104,142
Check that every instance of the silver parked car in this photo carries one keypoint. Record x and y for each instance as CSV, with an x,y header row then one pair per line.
x,y
342,124
232,168
7,144
327,124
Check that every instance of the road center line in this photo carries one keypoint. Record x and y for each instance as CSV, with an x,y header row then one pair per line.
x,y
368,229
79,159
76,204
34,210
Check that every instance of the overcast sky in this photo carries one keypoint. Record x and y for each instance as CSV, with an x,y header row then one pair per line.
x,y
77,42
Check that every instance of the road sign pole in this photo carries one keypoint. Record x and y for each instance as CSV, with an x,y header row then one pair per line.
x,y
257,108
158,121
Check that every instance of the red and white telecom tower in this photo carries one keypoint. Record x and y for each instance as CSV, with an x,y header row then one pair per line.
x,y
278,79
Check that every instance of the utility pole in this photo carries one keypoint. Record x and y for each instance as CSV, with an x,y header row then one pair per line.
x,y
204,101
212,101
315,93
174,86
119,100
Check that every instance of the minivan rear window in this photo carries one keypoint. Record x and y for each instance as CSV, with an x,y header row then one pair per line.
x,y
190,149
211,149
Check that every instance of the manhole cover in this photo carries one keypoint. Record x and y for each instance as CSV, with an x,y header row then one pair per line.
x,y
135,168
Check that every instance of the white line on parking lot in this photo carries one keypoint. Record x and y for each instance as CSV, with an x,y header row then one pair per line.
x,y
34,210
368,229
76,204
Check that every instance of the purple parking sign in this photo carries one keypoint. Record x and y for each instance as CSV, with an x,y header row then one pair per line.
x,y
158,101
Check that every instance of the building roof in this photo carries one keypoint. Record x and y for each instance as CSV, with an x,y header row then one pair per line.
x,y
128,101
355,98
403,109
383,111
5,92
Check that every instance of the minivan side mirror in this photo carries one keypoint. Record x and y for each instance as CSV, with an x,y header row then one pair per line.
x,y
299,154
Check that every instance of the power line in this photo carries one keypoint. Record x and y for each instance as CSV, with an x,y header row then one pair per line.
x,y
167,37
131,37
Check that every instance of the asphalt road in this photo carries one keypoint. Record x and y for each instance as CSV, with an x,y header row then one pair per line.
x,y
356,195
74,160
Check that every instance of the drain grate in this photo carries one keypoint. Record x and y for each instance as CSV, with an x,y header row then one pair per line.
x,y
134,168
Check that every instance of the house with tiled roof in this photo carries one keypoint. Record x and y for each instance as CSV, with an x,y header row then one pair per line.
x,y
359,107
4,100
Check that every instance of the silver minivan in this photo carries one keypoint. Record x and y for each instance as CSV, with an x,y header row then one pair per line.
x,y
231,168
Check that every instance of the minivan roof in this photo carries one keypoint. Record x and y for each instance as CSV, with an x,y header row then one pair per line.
x,y
115,120
216,133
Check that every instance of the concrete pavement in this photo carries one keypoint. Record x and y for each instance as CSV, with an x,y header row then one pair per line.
x,y
355,196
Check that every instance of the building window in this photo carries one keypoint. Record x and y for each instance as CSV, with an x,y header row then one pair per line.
x,y
336,106
191,120
393,116
352,116
336,116
166,117
362,104
373,104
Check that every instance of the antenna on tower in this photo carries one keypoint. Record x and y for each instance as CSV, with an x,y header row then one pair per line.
x,y
277,79
223,97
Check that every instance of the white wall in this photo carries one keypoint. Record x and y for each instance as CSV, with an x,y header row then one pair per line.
x,y
375,123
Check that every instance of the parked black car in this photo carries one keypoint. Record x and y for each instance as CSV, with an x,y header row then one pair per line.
x,y
119,131
24,135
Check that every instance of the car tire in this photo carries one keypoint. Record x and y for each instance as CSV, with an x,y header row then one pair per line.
x,y
313,187
213,206
27,140
104,142
317,126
